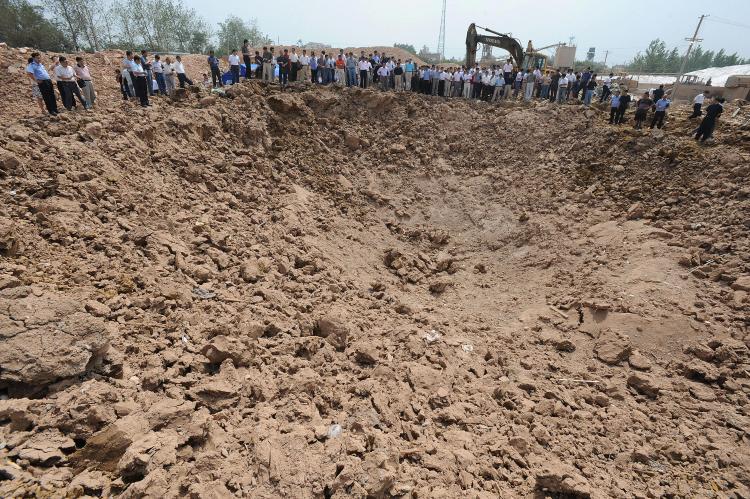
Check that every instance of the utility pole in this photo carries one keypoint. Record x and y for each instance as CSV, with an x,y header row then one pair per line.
x,y
606,53
687,54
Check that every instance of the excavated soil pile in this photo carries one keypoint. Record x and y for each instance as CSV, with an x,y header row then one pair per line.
x,y
342,293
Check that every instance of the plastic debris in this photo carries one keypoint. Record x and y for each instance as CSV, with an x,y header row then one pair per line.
x,y
432,336
204,294
334,430
467,348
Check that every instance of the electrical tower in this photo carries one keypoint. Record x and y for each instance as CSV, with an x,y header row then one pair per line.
x,y
441,38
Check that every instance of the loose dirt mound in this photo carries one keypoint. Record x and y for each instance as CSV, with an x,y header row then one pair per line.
x,y
344,293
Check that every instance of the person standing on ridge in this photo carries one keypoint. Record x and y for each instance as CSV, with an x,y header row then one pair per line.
x,y
140,82
590,88
607,83
149,74
698,104
641,110
614,104
180,70
267,64
660,111
658,93
245,58
84,81
624,104
304,62
364,71
234,67
213,64
706,128
41,77
158,68
285,67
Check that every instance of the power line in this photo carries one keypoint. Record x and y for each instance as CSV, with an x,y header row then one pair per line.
x,y
721,20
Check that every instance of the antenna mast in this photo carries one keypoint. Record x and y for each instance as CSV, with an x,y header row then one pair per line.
x,y
441,37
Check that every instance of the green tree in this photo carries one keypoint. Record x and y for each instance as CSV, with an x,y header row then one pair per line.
x,y
159,25
657,59
233,31
406,46
23,25
85,20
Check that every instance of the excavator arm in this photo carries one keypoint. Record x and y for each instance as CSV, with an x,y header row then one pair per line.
x,y
505,42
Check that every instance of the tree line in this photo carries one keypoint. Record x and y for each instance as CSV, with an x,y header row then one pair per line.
x,y
657,58
93,25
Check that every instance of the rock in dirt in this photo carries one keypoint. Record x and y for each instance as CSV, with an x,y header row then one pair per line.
x,y
639,361
8,161
207,101
46,339
94,129
612,347
644,384
562,478
742,283
222,347
635,211
334,327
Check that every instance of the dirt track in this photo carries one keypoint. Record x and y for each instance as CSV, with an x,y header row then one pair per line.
x,y
345,293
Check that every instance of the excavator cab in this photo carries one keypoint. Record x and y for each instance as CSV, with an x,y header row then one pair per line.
x,y
533,60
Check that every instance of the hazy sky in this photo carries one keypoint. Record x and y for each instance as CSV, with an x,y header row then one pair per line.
x,y
623,28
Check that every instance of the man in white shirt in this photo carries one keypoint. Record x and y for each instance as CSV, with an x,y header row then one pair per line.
x,y
140,82
571,83
507,82
698,104
562,89
498,82
294,61
65,75
458,78
181,75
467,82
606,85
158,68
442,81
234,66
364,67
304,61
507,70
383,77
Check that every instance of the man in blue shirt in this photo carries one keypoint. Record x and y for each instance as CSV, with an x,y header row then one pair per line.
x,y
213,64
661,111
614,105
426,75
409,73
44,82
149,74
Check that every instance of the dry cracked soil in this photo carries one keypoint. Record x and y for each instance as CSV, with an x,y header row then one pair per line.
x,y
333,293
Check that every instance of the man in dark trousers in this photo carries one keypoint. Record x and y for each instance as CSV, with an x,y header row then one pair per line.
x,y
623,106
706,128
44,82
285,66
213,64
553,86
245,58
660,108
698,104
658,93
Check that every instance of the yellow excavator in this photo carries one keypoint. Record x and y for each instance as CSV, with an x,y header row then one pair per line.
x,y
527,59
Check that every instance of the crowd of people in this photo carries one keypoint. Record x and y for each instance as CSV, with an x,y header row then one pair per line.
x,y
71,81
141,77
